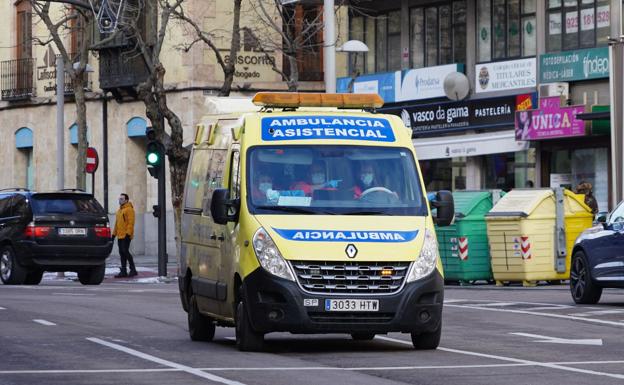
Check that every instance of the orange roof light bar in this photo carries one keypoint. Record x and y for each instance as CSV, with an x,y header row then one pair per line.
x,y
296,99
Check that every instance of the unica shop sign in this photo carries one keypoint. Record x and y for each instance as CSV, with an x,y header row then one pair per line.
x,y
551,120
582,64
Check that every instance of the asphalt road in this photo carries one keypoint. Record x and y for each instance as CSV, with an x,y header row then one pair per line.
x,y
124,333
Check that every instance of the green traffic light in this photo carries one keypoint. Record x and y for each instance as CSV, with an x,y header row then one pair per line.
x,y
152,158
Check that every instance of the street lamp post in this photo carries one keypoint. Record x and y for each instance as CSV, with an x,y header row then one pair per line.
x,y
329,49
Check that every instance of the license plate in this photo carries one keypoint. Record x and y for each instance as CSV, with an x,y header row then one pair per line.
x,y
351,305
72,231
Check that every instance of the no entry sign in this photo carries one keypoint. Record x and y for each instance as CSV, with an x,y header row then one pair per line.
x,y
92,161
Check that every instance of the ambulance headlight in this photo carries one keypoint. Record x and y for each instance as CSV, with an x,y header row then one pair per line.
x,y
427,260
269,256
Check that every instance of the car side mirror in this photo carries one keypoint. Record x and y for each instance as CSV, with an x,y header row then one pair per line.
x,y
222,208
445,206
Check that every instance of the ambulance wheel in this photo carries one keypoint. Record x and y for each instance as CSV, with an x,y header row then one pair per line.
x,y
583,290
428,340
201,328
247,339
362,336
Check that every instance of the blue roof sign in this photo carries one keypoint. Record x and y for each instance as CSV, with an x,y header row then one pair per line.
x,y
326,127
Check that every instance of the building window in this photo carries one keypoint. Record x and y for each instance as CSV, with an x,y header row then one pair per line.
x,y
573,24
505,29
438,34
382,35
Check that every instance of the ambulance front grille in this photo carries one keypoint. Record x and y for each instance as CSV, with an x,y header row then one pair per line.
x,y
351,277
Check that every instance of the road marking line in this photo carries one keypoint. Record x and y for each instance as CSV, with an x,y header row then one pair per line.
x,y
552,315
555,340
562,307
516,360
295,368
75,294
600,312
498,304
455,300
148,357
44,322
2,308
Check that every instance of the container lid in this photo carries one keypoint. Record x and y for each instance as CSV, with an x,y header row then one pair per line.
x,y
467,201
520,202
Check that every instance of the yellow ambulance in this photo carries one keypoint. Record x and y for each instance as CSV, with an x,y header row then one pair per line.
x,y
308,214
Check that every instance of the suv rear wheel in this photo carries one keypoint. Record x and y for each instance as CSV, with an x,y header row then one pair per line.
x,y
583,290
92,276
11,272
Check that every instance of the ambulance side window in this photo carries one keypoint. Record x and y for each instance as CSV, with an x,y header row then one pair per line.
x,y
195,186
214,177
234,182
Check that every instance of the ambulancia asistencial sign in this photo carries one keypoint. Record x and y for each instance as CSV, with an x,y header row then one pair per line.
x,y
326,127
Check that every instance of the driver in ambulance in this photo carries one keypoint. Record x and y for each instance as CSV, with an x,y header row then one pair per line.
x,y
366,179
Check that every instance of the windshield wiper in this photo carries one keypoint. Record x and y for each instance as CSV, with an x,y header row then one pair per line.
x,y
366,212
290,209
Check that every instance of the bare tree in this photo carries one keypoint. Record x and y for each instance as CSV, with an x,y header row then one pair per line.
x,y
207,37
291,30
71,21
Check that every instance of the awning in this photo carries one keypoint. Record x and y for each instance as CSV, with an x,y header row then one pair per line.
x,y
594,115
468,145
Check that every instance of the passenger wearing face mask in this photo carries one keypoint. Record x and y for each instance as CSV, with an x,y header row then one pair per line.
x,y
264,184
365,180
318,180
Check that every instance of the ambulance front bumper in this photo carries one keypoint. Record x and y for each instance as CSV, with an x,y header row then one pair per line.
x,y
279,305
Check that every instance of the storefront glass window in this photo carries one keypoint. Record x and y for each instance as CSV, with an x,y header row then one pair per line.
x,y
505,29
459,32
568,168
446,41
510,170
417,41
577,24
444,174
381,44
370,42
357,60
431,35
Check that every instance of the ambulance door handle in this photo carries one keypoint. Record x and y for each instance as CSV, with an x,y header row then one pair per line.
x,y
213,236
221,238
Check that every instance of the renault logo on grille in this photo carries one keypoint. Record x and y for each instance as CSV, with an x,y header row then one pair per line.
x,y
351,250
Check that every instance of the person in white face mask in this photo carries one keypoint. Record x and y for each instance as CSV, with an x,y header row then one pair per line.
x,y
318,180
365,180
263,185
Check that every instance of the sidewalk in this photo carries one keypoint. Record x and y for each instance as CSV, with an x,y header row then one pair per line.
x,y
146,265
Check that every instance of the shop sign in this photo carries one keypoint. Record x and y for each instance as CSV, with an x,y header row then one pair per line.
x,y
468,145
506,75
464,115
400,86
581,64
551,120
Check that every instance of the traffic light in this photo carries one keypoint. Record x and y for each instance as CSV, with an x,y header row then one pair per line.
x,y
154,154
156,212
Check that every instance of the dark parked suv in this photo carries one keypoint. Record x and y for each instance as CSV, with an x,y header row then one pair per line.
x,y
55,231
598,258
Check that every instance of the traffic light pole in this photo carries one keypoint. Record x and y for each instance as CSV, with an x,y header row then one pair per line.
x,y
162,223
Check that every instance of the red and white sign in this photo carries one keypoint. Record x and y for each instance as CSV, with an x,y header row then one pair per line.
x,y
93,161
526,248
463,248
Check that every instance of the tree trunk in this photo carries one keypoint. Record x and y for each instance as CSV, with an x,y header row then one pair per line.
x,y
81,121
230,68
293,78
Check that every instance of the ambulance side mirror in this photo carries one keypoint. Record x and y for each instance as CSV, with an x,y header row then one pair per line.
x,y
445,206
222,208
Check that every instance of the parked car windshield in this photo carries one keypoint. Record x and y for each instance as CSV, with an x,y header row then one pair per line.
x,y
65,204
347,180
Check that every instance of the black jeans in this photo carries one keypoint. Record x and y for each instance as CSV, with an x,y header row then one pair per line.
x,y
124,253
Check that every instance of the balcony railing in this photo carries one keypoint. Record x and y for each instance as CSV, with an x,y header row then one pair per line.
x,y
17,79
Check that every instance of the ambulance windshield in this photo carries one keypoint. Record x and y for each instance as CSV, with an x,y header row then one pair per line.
x,y
342,180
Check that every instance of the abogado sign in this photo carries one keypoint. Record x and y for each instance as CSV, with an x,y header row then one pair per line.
x,y
464,115
506,75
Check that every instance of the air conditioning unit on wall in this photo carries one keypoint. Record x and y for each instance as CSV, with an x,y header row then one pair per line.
x,y
554,89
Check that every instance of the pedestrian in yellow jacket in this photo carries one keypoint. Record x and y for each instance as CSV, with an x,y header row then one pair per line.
x,y
124,231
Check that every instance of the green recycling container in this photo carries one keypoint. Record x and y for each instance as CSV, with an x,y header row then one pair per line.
x,y
464,246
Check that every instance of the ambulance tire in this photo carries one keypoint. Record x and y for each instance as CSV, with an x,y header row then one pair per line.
x,y
201,328
362,336
247,339
583,289
427,341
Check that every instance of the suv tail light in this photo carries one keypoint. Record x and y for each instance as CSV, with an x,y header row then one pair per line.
x,y
32,231
103,232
